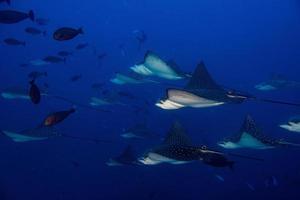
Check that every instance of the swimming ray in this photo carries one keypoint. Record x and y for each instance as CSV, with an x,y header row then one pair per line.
x,y
138,131
153,65
292,125
202,91
127,157
122,79
35,134
44,133
177,149
250,136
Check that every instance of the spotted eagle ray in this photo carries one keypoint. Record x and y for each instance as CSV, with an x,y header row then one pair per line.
x,y
127,157
250,136
153,65
292,125
202,91
178,149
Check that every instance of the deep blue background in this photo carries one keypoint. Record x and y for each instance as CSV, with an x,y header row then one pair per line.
x,y
241,42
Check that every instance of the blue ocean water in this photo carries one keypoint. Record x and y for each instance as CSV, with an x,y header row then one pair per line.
x,y
242,43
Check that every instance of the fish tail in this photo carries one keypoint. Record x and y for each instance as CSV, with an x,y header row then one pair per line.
x,y
80,30
31,15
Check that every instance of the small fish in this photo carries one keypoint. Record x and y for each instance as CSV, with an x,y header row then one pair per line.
x,y
75,163
54,59
123,49
81,46
12,16
251,187
14,42
24,65
5,1
36,74
66,33
64,53
271,181
220,178
97,86
57,117
102,55
42,21
141,37
35,31
126,94
39,62
34,93
75,78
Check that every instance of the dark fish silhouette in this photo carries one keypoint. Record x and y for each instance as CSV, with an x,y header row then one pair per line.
x,y
35,31
54,59
127,157
81,46
102,55
14,42
64,53
5,1
66,33
57,117
12,16
97,86
75,163
36,74
24,65
42,21
141,37
126,94
75,78
34,93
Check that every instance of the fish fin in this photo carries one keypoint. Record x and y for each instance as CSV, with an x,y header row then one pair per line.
x,y
80,30
249,126
201,79
177,135
31,15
